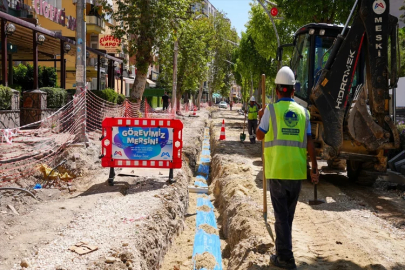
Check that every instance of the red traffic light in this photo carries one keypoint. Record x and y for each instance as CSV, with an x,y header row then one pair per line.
x,y
274,11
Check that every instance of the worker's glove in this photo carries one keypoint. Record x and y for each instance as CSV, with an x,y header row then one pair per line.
x,y
315,176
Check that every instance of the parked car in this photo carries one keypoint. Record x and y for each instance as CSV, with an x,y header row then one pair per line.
x,y
223,104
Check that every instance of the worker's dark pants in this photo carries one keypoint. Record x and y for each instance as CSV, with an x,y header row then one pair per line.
x,y
252,125
165,105
284,197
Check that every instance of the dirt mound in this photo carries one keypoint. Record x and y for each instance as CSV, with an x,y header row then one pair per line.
x,y
208,229
237,199
205,260
204,208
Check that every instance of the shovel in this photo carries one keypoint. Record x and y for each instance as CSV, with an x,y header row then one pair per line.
x,y
242,136
315,201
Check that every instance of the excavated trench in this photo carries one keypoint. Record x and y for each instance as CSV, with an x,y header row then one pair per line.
x,y
238,201
233,189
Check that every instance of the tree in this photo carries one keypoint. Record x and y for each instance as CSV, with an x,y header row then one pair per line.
x,y
195,41
145,24
219,80
250,64
402,17
317,11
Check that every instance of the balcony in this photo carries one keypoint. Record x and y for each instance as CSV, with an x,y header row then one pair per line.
x,y
95,24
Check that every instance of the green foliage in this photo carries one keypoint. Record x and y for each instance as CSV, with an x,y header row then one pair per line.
x,y
120,98
108,94
23,76
402,17
146,25
56,97
195,43
5,97
220,78
317,11
401,39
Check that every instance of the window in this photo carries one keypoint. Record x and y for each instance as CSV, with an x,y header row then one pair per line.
x,y
300,65
94,41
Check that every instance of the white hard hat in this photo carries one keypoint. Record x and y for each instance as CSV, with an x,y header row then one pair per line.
x,y
285,76
252,98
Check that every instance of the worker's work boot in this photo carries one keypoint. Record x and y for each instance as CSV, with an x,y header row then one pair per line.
x,y
287,264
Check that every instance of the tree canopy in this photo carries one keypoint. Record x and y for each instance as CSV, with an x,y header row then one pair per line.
x,y
317,11
146,25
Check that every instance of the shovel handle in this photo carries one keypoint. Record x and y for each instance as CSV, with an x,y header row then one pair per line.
x,y
316,192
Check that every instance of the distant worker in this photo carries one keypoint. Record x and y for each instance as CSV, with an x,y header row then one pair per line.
x,y
286,130
252,111
230,104
165,100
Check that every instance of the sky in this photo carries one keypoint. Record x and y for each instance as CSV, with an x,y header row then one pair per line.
x,y
237,11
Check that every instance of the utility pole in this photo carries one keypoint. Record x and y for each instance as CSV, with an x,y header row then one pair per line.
x,y
174,90
80,46
81,67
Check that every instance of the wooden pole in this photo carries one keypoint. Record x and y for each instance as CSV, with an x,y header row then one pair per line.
x,y
264,166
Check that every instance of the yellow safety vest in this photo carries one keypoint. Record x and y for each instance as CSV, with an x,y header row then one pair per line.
x,y
285,143
252,112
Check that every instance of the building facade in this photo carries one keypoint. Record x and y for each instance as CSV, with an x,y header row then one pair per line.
x,y
60,17
205,8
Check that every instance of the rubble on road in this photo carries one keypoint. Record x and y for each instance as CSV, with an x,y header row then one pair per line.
x,y
138,216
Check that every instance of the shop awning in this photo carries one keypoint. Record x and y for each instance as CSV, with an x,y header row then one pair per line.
x,y
151,83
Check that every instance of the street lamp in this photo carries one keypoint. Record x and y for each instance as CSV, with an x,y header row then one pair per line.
x,y
41,39
10,29
66,47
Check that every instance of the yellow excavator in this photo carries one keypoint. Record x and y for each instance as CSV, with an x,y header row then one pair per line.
x,y
344,76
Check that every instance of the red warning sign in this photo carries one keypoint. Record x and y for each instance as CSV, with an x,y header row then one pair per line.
x,y
140,142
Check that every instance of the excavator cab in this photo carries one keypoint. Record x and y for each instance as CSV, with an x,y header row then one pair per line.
x,y
312,46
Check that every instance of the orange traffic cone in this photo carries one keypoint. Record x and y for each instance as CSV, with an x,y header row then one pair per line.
x,y
195,110
222,136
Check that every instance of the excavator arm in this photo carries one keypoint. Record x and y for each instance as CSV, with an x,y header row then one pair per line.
x,y
365,110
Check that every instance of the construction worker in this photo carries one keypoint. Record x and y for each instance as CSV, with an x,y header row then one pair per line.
x,y
252,111
286,130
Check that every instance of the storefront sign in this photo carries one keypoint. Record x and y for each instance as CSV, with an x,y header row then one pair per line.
x,y
142,142
54,14
109,43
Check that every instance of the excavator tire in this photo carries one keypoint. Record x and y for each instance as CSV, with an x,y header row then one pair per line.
x,y
361,173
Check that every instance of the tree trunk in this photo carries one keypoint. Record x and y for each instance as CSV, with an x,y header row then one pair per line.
x,y
138,87
200,94
178,100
